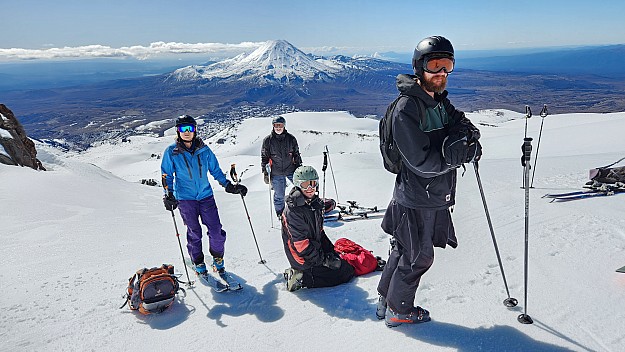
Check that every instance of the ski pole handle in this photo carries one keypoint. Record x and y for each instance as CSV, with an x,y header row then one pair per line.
x,y
233,174
544,112
528,112
325,161
526,148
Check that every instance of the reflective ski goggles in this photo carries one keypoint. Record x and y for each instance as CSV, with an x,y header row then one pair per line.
x,y
186,128
438,64
306,185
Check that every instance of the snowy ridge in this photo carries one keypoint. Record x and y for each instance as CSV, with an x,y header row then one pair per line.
x,y
90,224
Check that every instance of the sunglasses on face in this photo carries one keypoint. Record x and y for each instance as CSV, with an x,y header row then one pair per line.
x,y
438,64
186,128
306,185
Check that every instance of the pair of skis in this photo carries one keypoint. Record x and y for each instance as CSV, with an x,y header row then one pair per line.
x,y
225,282
350,212
592,192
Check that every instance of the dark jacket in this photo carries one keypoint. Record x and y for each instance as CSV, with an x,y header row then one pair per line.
x,y
283,151
305,241
425,180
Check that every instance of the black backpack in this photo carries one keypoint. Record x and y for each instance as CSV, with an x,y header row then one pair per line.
x,y
390,153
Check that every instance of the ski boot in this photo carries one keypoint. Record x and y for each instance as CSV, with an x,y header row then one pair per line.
x,y
218,264
380,311
293,279
417,315
200,269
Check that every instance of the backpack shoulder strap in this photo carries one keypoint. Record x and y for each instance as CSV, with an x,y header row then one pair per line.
x,y
421,106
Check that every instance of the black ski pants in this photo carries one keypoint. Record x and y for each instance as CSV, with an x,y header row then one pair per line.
x,y
415,232
321,276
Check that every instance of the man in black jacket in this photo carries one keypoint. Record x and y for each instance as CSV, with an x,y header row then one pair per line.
x,y
279,157
434,139
314,263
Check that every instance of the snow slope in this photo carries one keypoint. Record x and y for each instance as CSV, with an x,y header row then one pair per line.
x,y
73,235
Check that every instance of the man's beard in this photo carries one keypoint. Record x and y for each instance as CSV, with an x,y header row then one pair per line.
x,y
431,86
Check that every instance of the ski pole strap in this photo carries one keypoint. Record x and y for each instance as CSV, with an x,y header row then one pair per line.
x,y
164,182
526,148
528,112
325,161
233,173
544,112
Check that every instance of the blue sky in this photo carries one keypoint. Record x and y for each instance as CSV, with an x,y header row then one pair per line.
x,y
350,26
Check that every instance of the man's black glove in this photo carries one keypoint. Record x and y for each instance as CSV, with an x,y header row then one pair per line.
x,y
236,189
170,201
458,149
455,149
332,261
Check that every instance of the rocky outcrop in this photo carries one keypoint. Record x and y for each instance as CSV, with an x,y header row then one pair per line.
x,y
15,146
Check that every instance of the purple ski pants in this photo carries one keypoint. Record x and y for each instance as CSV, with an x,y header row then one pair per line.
x,y
192,212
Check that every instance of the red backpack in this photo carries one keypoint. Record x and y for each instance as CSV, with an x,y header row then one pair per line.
x,y
361,259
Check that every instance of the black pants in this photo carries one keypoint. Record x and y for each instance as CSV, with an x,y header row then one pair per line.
x,y
416,232
321,276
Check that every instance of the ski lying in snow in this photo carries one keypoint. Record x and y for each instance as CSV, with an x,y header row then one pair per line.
x,y
232,283
621,270
352,206
207,279
583,196
594,190
348,217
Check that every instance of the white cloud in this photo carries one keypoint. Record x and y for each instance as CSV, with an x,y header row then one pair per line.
x,y
137,51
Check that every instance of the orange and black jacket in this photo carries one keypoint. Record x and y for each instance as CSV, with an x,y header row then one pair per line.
x,y
305,241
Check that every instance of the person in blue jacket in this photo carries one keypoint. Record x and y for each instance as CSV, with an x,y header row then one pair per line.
x,y
185,167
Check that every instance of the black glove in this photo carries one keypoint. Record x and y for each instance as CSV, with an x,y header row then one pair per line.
x,y
236,189
170,201
332,261
266,177
474,152
455,149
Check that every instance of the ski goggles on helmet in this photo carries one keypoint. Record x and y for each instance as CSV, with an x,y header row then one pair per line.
x,y
437,64
186,128
306,185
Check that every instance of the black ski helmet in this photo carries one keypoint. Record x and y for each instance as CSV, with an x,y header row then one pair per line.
x,y
185,120
278,119
430,46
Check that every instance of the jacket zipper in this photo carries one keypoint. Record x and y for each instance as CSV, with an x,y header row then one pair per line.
x,y
188,167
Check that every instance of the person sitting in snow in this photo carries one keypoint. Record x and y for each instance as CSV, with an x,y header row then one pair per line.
x,y
314,263
279,157
185,167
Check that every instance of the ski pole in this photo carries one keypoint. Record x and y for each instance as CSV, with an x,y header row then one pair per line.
x,y
525,161
235,178
268,171
333,179
324,168
173,216
508,302
528,114
543,114
190,283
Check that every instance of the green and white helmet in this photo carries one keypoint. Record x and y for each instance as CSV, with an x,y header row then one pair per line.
x,y
304,173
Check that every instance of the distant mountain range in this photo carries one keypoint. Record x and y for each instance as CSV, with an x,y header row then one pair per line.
x,y
278,77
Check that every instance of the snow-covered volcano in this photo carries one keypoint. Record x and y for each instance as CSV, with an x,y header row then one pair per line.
x,y
276,61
